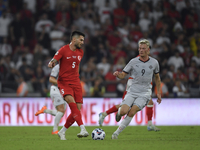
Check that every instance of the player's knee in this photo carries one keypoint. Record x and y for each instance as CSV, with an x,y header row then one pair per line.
x,y
123,112
117,106
150,102
131,113
61,108
69,99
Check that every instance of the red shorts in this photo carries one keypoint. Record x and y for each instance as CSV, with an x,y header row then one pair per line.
x,y
75,90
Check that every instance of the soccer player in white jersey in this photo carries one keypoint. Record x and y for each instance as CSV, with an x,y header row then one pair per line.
x,y
141,69
57,99
149,110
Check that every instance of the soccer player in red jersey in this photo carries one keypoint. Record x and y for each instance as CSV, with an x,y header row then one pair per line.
x,y
69,58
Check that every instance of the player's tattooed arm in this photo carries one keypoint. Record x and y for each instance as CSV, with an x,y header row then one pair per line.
x,y
52,63
158,81
120,75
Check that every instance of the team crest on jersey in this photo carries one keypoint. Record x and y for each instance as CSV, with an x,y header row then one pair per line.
x,y
79,58
150,67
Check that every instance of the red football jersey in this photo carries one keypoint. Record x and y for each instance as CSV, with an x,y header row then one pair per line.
x,y
69,64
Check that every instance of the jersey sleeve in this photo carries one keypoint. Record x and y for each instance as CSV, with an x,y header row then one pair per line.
x,y
59,54
157,68
55,71
128,67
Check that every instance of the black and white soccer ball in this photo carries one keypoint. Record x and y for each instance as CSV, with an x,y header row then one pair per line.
x,y
98,134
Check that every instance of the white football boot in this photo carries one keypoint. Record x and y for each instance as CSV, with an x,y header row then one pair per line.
x,y
83,133
114,136
118,116
152,128
61,135
101,118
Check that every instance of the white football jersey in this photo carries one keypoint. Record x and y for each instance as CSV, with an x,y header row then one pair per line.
x,y
55,71
142,74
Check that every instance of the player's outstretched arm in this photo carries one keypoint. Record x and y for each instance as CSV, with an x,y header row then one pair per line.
x,y
120,75
158,81
52,63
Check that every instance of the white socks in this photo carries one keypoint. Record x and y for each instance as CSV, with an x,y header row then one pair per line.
x,y
57,120
150,123
82,127
104,114
63,130
125,122
58,115
49,111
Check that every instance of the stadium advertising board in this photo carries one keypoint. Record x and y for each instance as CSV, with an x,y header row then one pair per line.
x,y
20,112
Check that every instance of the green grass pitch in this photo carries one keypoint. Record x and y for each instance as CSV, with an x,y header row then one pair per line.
x,y
132,138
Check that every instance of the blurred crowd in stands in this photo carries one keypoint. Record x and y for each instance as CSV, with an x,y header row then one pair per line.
x,y
31,31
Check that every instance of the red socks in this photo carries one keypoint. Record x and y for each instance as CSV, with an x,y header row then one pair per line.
x,y
112,110
70,120
149,112
76,114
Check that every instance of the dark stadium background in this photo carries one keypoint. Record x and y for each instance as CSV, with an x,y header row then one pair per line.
x,y
31,31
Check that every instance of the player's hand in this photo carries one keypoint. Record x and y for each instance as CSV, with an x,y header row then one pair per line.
x,y
51,64
116,73
159,98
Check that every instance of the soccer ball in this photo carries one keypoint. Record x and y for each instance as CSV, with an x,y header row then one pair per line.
x,y
98,134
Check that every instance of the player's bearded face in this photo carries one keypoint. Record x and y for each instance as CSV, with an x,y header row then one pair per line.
x,y
79,42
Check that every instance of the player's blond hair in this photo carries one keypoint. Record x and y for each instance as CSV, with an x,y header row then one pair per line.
x,y
145,41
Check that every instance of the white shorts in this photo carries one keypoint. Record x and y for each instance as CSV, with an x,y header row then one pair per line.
x,y
56,96
140,101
